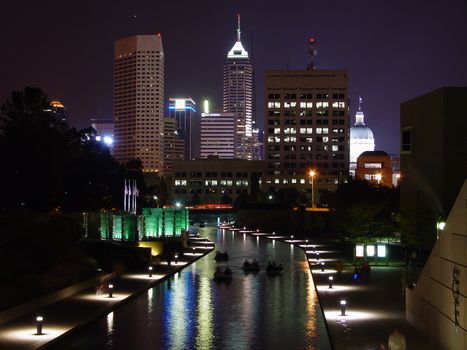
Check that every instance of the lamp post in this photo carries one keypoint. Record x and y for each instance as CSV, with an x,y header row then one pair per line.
x,y
343,306
39,323
440,223
150,271
156,199
312,175
330,281
111,290
322,267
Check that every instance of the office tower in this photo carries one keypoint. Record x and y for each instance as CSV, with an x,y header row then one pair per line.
x,y
183,110
238,95
139,100
433,150
174,145
306,127
218,135
361,138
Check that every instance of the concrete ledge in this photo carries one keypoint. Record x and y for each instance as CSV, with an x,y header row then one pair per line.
x,y
51,298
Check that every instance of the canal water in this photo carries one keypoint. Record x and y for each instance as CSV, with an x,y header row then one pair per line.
x,y
191,311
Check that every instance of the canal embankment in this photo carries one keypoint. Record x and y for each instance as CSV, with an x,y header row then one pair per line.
x,y
74,311
360,311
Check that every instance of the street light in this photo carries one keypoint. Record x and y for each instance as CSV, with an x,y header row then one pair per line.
x,y
150,271
330,281
322,267
39,322
312,174
111,290
178,204
157,200
440,224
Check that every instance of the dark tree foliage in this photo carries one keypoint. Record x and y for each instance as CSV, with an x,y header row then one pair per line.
x,y
364,210
46,164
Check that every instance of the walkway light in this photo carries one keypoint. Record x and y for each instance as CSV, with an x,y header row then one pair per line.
x,y
150,271
330,281
111,290
176,258
343,306
291,237
39,322
322,267
317,256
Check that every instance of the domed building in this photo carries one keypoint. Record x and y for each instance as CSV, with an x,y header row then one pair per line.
x,y
361,139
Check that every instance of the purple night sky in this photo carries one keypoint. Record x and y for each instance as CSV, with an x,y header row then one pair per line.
x,y
394,50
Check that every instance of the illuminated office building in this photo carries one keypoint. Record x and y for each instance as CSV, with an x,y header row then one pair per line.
x,y
139,100
183,110
218,135
238,96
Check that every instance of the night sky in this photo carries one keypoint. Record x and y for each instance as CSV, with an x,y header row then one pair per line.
x,y
394,50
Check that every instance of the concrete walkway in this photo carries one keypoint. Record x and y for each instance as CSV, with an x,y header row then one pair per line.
x,y
80,309
375,305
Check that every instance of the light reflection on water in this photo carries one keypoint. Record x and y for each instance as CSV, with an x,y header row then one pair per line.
x,y
191,311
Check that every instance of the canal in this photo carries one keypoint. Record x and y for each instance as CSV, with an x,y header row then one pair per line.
x,y
191,311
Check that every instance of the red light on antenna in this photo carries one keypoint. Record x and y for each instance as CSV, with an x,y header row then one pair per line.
x,y
311,40
158,34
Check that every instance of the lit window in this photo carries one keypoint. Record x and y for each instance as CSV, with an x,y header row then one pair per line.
x,y
302,181
277,105
335,148
277,130
373,165
276,181
294,181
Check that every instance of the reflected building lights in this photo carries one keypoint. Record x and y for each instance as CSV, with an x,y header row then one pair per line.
x,y
204,334
110,324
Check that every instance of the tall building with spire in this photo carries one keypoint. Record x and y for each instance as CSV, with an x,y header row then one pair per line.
x,y
238,96
139,101
361,138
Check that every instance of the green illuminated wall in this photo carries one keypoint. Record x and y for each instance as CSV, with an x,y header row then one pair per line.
x,y
106,225
181,220
130,227
152,218
117,227
169,222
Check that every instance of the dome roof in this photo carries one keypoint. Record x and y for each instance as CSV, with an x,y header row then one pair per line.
x,y
361,131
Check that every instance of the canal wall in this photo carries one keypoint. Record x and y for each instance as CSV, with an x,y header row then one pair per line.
x,y
51,298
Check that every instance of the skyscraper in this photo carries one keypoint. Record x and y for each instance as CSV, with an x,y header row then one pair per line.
x,y
139,100
306,127
174,145
183,110
218,135
238,96
58,110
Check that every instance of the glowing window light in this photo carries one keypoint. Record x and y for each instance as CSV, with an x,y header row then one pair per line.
x,y
381,249
370,250
359,252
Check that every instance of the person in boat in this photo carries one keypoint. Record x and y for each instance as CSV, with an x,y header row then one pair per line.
x,y
218,273
254,264
246,264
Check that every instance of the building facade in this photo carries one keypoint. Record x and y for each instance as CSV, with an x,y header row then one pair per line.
x,y
433,150
174,145
306,128
238,96
183,111
214,180
375,167
59,110
218,135
139,100
361,139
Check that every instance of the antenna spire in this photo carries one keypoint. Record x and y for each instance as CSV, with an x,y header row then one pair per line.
x,y
360,101
238,26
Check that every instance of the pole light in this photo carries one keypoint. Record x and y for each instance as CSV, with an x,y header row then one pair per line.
x,y
111,290
317,256
176,258
343,306
312,175
331,279
322,267
291,237
273,233
194,250
150,271
39,323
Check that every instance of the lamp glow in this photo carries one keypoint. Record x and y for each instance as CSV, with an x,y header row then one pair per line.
x,y
330,281
111,290
343,304
39,323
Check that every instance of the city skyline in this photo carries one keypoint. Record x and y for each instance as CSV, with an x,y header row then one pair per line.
x,y
387,63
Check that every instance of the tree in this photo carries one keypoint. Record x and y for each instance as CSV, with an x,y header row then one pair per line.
x,y
49,166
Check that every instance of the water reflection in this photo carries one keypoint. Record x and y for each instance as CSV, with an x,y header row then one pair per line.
x,y
191,311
